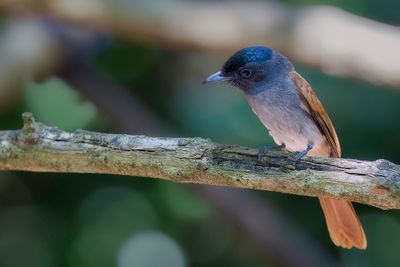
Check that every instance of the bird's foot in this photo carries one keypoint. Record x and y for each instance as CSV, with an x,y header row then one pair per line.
x,y
262,150
300,154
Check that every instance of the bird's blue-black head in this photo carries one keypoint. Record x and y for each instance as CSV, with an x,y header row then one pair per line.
x,y
253,69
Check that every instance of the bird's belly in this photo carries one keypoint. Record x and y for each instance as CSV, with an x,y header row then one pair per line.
x,y
292,140
285,131
291,127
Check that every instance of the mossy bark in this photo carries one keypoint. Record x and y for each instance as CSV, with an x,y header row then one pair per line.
x,y
39,148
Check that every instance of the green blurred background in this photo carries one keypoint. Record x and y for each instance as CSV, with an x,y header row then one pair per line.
x,y
105,82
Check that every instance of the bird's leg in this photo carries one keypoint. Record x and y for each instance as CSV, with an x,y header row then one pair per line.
x,y
262,150
300,154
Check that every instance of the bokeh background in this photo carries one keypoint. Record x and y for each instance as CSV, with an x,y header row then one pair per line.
x,y
136,66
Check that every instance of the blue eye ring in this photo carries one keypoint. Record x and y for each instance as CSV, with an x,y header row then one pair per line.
x,y
246,73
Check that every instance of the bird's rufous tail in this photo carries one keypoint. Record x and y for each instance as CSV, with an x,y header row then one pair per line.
x,y
343,224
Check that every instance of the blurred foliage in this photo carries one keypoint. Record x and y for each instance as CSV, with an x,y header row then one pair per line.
x,y
54,103
383,241
126,62
385,10
140,250
102,220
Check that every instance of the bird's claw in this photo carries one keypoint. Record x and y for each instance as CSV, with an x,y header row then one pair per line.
x,y
300,154
262,150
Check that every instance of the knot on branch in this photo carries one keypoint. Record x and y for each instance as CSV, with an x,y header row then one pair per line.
x,y
30,130
29,123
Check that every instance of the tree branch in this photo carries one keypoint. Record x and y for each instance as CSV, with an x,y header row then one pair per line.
x,y
37,147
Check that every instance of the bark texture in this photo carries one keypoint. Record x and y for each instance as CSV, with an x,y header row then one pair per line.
x,y
40,148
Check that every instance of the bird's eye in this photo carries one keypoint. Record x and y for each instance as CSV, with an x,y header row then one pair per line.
x,y
246,73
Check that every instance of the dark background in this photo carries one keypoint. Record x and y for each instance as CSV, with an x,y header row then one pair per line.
x,y
106,82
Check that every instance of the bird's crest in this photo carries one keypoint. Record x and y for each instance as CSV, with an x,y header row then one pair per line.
x,y
253,54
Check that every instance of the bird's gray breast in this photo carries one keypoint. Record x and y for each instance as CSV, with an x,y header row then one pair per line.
x,y
281,112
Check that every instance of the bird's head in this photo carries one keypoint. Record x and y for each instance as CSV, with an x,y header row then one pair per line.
x,y
253,69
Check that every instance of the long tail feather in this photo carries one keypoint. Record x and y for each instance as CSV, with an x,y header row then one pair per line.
x,y
343,224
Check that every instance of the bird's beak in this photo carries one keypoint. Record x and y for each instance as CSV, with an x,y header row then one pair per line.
x,y
216,77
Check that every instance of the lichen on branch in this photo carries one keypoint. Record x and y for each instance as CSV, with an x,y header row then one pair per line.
x,y
40,148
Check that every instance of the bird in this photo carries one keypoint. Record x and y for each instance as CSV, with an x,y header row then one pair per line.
x,y
295,118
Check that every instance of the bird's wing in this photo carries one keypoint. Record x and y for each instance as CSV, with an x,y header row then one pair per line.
x,y
317,112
